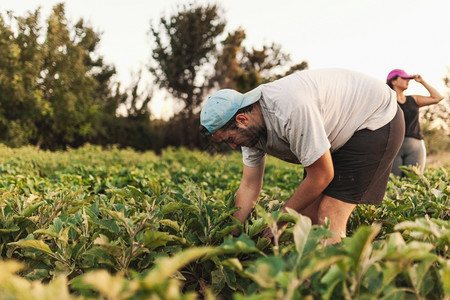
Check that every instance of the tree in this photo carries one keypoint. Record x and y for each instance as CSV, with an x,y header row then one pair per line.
x,y
72,82
59,92
66,85
53,93
185,49
435,123
242,69
133,128
227,68
21,100
184,43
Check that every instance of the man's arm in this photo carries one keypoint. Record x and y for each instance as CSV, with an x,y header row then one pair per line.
x,y
248,192
320,174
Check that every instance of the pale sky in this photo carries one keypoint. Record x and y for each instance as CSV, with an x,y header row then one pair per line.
x,y
370,36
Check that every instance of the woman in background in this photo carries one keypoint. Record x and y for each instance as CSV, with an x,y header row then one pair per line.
x,y
413,150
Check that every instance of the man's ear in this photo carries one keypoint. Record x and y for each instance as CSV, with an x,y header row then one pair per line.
x,y
242,119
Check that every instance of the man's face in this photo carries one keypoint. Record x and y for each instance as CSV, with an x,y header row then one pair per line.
x,y
242,136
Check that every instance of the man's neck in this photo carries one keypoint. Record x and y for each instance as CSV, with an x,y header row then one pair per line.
x,y
258,118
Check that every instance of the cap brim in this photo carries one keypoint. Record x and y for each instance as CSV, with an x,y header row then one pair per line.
x,y
251,97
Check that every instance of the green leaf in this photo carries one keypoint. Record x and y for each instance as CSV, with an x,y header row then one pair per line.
x,y
155,239
233,263
49,232
445,278
230,278
155,186
109,286
265,270
170,223
256,227
32,208
94,209
110,224
418,271
57,225
33,244
11,228
424,228
316,264
136,192
172,206
301,231
37,274
217,281
76,249
390,270
165,267
412,251
116,215
226,230
100,255
331,279
242,244
262,243
359,246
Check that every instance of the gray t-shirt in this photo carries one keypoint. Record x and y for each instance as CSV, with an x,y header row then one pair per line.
x,y
309,112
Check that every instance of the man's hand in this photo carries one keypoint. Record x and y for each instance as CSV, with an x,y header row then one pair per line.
x,y
280,227
248,192
236,232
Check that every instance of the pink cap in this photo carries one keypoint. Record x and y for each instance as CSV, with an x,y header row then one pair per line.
x,y
399,73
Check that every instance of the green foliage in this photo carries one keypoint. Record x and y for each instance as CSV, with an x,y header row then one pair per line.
x,y
56,91
242,69
117,224
424,195
48,90
183,44
435,123
21,99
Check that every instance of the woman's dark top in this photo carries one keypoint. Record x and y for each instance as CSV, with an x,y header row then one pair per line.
x,y
411,112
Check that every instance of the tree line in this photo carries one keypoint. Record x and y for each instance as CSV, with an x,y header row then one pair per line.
x,y
56,91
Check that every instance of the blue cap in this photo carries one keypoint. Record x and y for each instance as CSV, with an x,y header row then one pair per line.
x,y
221,106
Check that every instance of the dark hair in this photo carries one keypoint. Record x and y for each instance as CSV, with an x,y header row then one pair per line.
x,y
203,130
231,124
389,82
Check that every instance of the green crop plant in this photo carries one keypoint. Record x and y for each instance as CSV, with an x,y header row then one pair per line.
x,y
94,223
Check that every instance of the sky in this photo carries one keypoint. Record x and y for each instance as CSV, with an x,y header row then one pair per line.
x,y
370,36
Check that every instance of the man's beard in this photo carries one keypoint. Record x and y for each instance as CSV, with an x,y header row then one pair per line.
x,y
252,134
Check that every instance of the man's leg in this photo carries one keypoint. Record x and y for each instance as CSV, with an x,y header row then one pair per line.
x,y
311,211
338,213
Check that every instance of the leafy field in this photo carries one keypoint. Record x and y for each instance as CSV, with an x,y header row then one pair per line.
x,y
117,224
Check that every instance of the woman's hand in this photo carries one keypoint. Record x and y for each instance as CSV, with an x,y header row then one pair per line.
x,y
418,78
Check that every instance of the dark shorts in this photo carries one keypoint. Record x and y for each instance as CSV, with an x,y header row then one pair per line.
x,y
363,164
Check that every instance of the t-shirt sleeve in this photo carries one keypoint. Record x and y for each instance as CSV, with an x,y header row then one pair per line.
x,y
306,134
252,157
